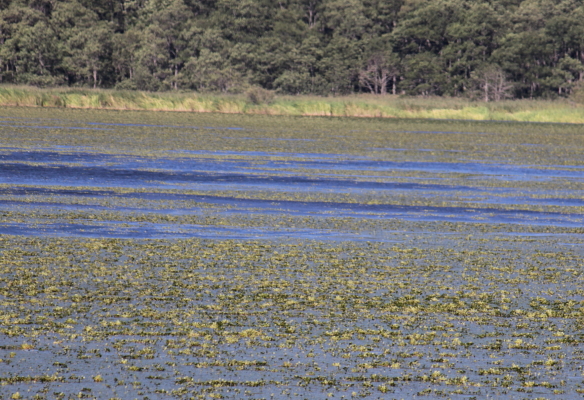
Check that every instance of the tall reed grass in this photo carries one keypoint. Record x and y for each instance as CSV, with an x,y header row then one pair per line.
x,y
360,105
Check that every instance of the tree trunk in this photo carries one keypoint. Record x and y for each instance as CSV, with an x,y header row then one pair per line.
x,y
384,82
175,84
94,78
311,14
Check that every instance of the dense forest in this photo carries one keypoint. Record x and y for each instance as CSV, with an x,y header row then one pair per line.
x,y
487,49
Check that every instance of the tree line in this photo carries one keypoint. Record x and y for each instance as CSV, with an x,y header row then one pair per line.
x,y
488,49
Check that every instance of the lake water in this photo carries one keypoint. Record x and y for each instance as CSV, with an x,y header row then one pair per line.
x,y
157,255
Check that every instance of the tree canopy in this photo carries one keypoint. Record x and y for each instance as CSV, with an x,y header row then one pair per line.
x,y
487,49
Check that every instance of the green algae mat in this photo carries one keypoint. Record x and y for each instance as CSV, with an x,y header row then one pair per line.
x,y
154,255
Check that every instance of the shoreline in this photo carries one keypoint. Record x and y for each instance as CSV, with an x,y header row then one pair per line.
x,y
352,106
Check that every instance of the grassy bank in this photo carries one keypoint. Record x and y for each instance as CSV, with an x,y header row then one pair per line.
x,y
344,106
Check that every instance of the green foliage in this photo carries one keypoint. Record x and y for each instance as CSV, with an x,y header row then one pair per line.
x,y
578,93
257,95
323,47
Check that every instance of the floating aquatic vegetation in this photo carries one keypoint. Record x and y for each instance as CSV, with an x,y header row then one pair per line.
x,y
168,261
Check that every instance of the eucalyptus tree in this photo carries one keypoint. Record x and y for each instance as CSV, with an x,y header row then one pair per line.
x,y
124,57
490,83
208,68
346,29
420,38
383,14
303,72
30,51
381,68
86,42
472,37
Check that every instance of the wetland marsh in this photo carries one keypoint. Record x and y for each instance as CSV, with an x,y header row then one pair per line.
x,y
178,255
